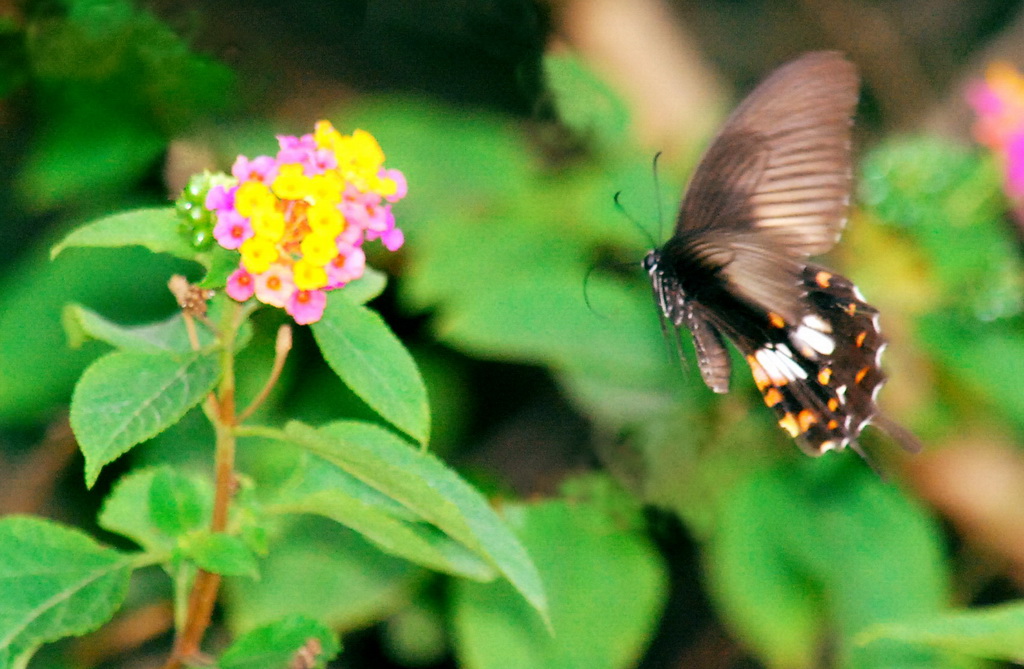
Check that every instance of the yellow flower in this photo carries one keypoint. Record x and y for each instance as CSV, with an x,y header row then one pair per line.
x,y
325,219
325,136
253,196
326,188
291,183
258,254
268,224
318,249
309,276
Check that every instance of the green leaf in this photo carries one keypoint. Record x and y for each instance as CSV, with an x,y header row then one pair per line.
x,y
416,542
56,582
38,369
600,617
128,510
221,553
362,350
988,358
585,103
167,336
155,229
367,287
993,632
827,547
175,503
322,488
125,398
318,568
276,645
425,485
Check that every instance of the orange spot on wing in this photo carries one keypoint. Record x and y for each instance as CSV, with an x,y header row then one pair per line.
x,y
760,376
806,419
851,308
824,376
860,338
833,404
772,397
775,320
823,279
861,374
833,424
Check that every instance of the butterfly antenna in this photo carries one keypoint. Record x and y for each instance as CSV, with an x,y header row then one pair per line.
x,y
657,196
631,219
586,290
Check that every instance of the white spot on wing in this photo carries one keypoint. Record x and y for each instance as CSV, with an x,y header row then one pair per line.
x,y
817,322
808,337
779,365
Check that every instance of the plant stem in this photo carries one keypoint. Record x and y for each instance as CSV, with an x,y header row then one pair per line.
x,y
206,584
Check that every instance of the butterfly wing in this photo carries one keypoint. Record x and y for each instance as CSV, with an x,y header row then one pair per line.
x,y
822,376
774,186
772,189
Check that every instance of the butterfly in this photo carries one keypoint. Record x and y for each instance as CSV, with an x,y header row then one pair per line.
x,y
773,189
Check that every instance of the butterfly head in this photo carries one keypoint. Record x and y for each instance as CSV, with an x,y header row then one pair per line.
x,y
651,261
668,292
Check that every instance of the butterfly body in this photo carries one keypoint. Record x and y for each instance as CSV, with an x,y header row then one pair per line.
x,y
773,189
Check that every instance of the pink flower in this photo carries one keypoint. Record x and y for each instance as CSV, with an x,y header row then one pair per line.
x,y
275,286
220,199
299,150
401,187
348,266
261,168
1015,164
240,285
393,239
307,306
232,229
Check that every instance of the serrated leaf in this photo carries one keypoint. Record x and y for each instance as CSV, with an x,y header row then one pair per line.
x,y
607,587
993,632
425,485
56,582
125,398
126,510
276,645
155,229
167,336
221,553
175,504
369,358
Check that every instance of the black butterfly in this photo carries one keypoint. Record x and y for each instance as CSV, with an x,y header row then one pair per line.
x,y
773,189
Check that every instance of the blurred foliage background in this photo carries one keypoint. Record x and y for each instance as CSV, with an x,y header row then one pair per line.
x,y
673,528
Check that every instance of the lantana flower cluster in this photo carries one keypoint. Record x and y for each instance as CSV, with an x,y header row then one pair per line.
x,y
299,219
998,102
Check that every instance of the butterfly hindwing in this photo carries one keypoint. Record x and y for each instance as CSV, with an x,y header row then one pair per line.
x,y
821,375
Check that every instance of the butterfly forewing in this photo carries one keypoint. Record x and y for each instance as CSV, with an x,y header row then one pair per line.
x,y
772,189
780,167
